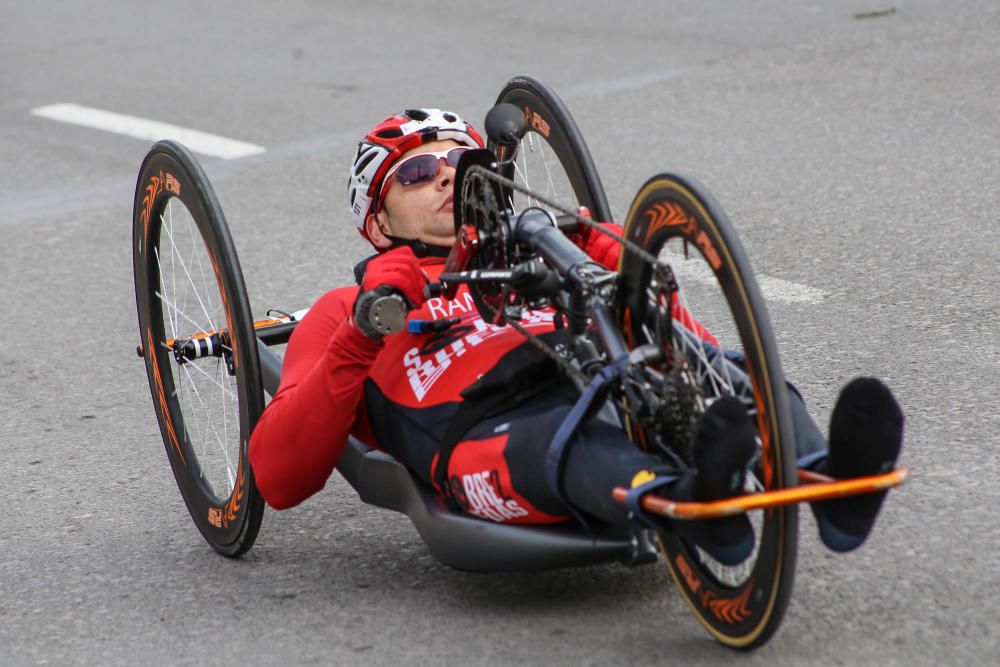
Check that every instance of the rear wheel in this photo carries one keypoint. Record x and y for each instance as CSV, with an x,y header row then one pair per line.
x,y
676,220
552,159
198,344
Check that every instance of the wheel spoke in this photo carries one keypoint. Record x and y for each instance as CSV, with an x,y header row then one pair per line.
x,y
197,286
182,314
170,314
187,273
209,432
225,391
210,288
552,191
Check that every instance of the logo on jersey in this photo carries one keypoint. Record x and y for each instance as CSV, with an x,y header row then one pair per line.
x,y
480,494
425,365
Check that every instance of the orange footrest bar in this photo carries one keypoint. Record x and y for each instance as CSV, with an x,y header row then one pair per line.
x,y
814,487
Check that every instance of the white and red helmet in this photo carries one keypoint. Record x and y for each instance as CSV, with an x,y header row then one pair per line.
x,y
385,142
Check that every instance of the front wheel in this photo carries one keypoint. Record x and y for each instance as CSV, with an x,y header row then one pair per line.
x,y
198,344
728,351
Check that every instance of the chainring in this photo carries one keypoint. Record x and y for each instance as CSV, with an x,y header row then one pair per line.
x,y
496,245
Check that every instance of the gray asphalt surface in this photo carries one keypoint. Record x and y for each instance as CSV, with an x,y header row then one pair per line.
x,y
858,156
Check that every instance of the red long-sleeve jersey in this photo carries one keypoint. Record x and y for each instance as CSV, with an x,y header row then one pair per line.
x,y
337,382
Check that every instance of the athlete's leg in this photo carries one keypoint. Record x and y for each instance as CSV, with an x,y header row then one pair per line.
x,y
810,445
498,473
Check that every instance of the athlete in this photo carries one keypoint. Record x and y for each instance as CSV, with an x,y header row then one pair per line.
x,y
472,409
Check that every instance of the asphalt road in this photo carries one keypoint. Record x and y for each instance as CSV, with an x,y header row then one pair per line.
x,y
857,156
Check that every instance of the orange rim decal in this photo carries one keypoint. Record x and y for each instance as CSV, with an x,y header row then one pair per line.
x,y
162,398
671,214
535,121
732,610
692,581
727,610
172,184
668,214
154,188
233,504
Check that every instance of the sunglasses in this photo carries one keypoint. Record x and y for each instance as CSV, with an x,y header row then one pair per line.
x,y
421,168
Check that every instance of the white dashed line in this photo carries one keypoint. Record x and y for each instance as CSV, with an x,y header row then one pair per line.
x,y
772,289
142,128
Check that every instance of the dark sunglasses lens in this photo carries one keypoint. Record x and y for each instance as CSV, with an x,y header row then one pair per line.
x,y
454,155
421,168
417,169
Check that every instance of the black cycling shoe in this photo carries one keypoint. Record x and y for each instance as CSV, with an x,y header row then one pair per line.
x,y
724,445
866,434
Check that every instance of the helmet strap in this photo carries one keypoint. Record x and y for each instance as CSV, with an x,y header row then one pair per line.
x,y
420,249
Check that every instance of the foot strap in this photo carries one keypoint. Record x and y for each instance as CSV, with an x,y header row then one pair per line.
x,y
591,399
807,461
634,498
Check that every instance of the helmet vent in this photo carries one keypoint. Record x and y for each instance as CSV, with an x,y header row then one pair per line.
x,y
416,114
363,162
450,117
390,133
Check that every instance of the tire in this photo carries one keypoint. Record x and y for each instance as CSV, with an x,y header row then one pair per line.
x,y
188,283
740,606
553,145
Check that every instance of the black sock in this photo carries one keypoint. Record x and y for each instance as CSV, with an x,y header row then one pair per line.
x,y
866,434
725,443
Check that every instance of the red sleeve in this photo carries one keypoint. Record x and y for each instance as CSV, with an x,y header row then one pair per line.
x,y
302,433
602,248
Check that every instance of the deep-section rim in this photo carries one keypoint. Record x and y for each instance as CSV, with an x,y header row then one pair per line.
x,y
232,528
565,138
714,604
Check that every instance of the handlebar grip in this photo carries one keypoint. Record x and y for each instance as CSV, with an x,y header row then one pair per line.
x,y
534,229
387,313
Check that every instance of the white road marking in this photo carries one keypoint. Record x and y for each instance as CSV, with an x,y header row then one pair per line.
x,y
142,128
778,289
773,289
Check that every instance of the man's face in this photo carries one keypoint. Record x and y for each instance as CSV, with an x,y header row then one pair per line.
x,y
420,211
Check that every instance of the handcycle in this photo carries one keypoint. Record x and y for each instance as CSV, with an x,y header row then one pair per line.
x,y
210,364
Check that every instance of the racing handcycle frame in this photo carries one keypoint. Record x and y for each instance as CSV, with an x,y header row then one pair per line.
x,y
513,258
